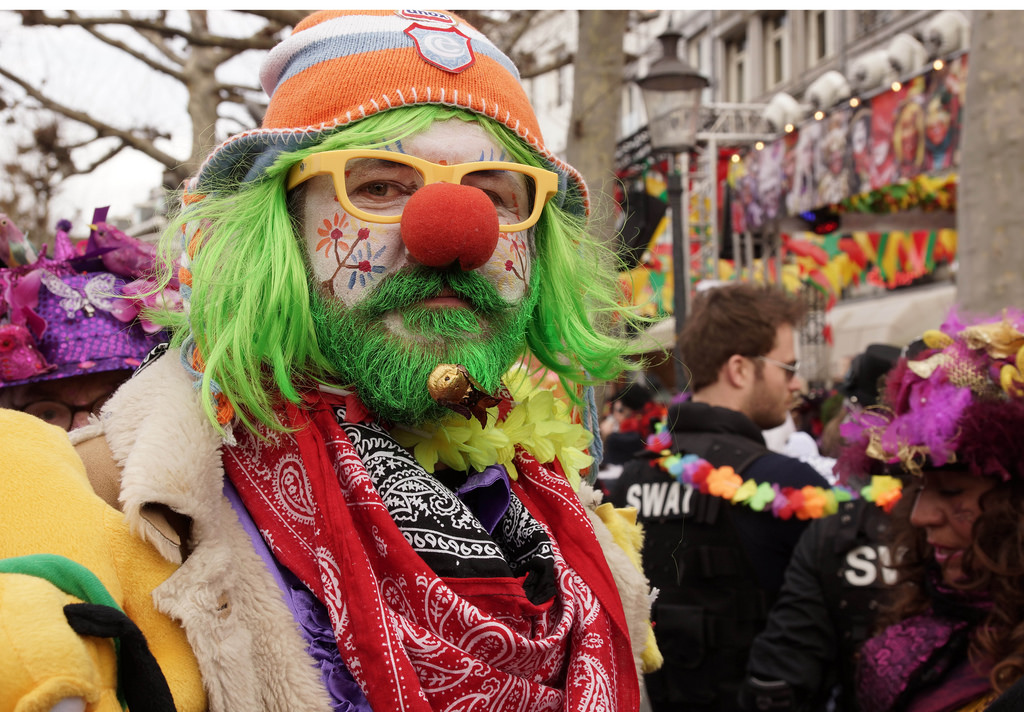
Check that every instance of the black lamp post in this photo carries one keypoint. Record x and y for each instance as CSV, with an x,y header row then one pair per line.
x,y
672,93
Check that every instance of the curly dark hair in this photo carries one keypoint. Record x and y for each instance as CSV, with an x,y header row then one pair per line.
x,y
994,564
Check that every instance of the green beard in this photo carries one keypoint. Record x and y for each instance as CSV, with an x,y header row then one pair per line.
x,y
388,370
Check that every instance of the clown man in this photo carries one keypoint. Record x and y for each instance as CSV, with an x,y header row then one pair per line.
x,y
363,508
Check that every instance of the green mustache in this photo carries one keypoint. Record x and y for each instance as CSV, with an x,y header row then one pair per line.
x,y
410,286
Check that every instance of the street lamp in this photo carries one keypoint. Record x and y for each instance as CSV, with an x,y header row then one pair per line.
x,y
672,92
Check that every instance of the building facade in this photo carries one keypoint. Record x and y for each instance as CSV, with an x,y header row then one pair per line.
x,y
774,74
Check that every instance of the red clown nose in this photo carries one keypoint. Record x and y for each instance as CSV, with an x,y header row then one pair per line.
x,y
444,222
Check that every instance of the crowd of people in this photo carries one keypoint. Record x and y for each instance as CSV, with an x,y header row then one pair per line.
x,y
892,586
289,460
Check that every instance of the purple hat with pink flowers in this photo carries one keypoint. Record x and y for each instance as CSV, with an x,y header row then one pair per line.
x,y
80,312
956,403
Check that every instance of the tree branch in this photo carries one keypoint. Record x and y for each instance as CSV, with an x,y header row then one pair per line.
x,y
99,161
237,89
102,129
264,38
553,65
153,64
285,18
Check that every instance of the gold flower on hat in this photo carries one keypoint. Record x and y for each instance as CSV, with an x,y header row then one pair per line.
x,y
926,367
1000,339
910,457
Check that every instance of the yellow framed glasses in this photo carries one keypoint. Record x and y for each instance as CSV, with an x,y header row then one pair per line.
x,y
375,185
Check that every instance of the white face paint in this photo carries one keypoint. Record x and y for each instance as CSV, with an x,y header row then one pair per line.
x,y
349,256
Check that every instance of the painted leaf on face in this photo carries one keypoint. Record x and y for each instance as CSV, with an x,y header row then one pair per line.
x,y
329,242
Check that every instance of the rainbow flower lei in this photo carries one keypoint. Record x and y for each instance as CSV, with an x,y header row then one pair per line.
x,y
807,502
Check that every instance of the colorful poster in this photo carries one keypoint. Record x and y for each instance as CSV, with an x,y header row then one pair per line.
x,y
803,194
789,142
883,109
943,101
860,150
908,130
737,212
749,193
834,178
770,180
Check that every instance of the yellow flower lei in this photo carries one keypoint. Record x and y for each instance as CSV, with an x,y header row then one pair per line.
x,y
538,423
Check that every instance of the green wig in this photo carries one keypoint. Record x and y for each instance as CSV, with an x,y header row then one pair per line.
x,y
248,312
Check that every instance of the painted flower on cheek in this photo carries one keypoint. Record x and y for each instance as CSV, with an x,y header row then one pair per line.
x,y
517,248
332,232
364,269
356,256
509,268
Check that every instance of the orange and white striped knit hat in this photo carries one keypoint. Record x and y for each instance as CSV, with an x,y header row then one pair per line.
x,y
340,66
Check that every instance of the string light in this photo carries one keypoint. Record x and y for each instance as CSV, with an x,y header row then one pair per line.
x,y
759,145
938,64
896,86
819,115
789,128
854,102
735,158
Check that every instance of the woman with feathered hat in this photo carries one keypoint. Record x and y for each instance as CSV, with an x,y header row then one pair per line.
x,y
950,422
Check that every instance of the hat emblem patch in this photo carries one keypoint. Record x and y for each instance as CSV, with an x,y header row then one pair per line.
x,y
445,48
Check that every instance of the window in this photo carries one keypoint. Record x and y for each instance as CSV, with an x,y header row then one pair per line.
x,y
776,50
693,46
735,60
867,22
817,40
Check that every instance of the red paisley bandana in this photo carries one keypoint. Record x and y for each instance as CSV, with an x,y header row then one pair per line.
x,y
352,516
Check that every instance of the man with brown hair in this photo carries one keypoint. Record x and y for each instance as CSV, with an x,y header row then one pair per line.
x,y
719,565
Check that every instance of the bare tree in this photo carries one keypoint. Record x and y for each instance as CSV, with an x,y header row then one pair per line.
x,y
187,52
596,109
37,167
190,55
989,220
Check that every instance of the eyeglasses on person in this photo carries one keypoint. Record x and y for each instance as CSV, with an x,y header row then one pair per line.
x,y
63,414
790,368
375,185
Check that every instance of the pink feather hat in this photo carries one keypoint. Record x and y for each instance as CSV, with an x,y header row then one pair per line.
x,y
73,314
958,403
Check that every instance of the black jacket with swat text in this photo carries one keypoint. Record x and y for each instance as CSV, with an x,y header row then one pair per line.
x,y
805,659
717,566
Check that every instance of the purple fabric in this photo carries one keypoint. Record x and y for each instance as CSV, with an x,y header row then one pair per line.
x,y
891,659
962,685
77,314
60,323
312,617
681,397
487,494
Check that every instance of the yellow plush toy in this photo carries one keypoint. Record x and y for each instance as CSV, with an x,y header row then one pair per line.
x,y
78,629
50,663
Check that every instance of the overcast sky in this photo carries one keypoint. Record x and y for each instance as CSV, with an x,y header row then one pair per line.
x,y
80,71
